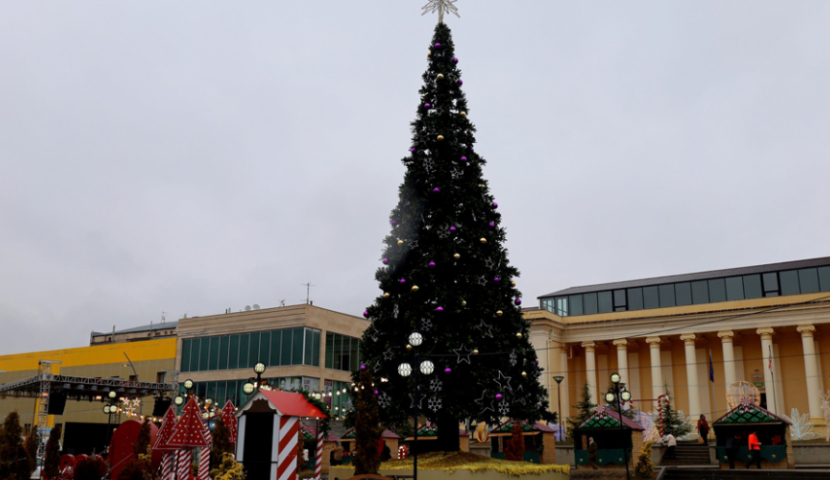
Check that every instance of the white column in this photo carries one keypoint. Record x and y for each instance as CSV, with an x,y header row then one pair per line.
x,y
811,370
622,361
728,357
691,376
566,392
766,347
591,370
656,370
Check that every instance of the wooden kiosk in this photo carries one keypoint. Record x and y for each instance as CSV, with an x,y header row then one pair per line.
x,y
616,436
539,440
772,430
269,432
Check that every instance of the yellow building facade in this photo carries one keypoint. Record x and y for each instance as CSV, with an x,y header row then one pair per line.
x,y
660,333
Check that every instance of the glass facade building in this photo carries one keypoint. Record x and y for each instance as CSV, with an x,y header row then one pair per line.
x,y
289,346
696,290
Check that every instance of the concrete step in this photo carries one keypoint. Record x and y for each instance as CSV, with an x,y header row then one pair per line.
x,y
742,474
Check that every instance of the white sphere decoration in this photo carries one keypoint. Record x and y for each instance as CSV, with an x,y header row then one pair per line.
x,y
416,339
404,369
427,367
609,397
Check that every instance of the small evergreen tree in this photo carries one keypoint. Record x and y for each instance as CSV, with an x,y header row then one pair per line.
x,y
515,448
367,427
644,467
221,442
52,462
14,461
584,409
228,469
672,423
31,445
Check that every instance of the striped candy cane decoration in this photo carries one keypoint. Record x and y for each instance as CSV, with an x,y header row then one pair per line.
x,y
184,471
660,400
167,466
287,453
204,464
318,465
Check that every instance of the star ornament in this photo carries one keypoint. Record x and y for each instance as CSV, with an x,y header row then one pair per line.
x,y
440,6
463,354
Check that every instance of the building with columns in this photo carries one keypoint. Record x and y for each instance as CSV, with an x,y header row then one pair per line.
x,y
660,332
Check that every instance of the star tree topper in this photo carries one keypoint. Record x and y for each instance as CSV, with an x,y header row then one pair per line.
x,y
441,6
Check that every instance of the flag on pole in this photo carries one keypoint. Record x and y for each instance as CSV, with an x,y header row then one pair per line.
x,y
770,358
711,368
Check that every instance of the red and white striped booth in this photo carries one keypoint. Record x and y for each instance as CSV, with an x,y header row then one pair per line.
x,y
269,432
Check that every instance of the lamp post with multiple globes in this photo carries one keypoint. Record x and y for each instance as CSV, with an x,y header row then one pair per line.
x,y
405,370
111,408
255,384
620,394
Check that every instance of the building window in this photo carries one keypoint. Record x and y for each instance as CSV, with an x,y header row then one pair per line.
x,y
342,352
717,290
734,288
575,304
808,280
667,295
683,293
635,298
589,303
752,286
651,297
605,301
619,301
700,292
824,278
770,281
789,282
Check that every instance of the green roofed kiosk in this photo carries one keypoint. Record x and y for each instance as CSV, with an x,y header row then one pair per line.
x,y
772,431
615,443
540,441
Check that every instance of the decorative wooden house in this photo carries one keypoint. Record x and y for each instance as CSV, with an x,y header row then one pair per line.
x,y
772,430
429,433
618,439
539,440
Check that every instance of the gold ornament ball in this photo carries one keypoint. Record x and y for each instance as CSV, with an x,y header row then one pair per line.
x,y
475,351
400,243
414,288
499,313
519,335
463,303
482,185
483,240
429,54
512,284
440,137
456,256
385,294
440,76
463,114
408,346
524,374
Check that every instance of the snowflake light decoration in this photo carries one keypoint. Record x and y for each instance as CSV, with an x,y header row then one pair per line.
x,y
514,359
426,324
504,409
440,6
434,404
384,400
436,385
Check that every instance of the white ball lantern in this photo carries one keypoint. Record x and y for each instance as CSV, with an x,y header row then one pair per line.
x,y
404,369
416,339
427,367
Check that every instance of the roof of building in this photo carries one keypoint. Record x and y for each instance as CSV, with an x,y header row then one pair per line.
x,y
688,277
288,404
607,418
144,328
747,412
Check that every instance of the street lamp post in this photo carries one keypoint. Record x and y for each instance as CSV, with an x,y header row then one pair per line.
x,y
255,383
620,396
559,379
405,369
110,409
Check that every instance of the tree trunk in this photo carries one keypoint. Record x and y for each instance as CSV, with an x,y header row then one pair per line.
x,y
448,439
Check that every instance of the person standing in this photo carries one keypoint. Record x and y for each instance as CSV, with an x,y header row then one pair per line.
x,y
592,453
671,444
754,450
703,428
732,445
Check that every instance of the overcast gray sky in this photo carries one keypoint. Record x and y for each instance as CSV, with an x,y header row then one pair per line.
x,y
188,157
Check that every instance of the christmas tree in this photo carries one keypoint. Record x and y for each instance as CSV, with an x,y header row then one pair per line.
x,y
584,409
446,275
52,462
31,445
672,421
14,461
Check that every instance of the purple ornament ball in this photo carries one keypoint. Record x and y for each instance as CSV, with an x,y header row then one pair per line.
x,y
366,313
363,367
393,222
426,105
455,60
495,205
413,149
463,159
448,370
537,362
496,279
431,264
376,392
439,309
492,224
518,301
437,45
385,261
498,396
452,228
436,190
403,280
461,82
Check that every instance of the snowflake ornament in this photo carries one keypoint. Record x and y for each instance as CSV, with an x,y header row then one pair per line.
x,y
514,359
426,324
504,409
434,404
436,385
384,400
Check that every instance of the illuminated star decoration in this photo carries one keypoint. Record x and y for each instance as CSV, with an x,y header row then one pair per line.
x,y
463,354
504,381
130,405
441,6
420,400
486,330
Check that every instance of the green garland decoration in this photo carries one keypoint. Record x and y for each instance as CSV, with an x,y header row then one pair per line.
x,y
325,427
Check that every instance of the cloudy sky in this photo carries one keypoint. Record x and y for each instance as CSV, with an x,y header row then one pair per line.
x,y
187,157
